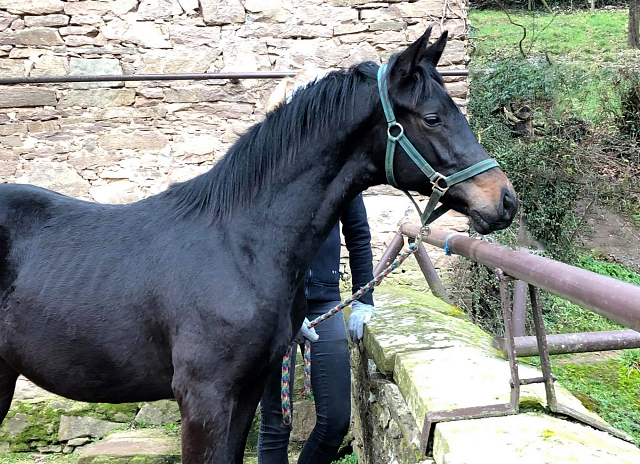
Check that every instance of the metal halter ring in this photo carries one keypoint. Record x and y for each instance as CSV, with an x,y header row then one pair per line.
x,y
437,186
393,125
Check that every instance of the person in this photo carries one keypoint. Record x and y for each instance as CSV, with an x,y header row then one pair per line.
x,y
330,362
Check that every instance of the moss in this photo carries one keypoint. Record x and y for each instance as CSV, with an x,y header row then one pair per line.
x,y
419,298
44,419
123,412
19,447
528,404
608,388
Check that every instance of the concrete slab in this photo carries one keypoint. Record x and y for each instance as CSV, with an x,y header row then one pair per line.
x,y
528,439
452,378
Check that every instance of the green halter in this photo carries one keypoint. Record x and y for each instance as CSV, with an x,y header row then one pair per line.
x,y
439,182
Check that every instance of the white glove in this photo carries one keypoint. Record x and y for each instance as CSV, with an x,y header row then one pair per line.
x,y
306,333
360,315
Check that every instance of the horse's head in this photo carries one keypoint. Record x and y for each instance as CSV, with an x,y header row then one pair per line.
x,y
435,150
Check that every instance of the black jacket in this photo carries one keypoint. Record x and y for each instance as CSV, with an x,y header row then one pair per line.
x,y
322,281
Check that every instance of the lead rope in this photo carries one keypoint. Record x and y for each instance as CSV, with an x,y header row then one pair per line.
x,y
286,361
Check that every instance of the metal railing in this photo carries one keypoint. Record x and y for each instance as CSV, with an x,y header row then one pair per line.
x,y
616,300
188,77
611,298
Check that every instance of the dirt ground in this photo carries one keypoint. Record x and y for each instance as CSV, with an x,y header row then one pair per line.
x,y
612,235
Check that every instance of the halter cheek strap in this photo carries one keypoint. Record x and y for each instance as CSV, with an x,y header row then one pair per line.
x,y
440,183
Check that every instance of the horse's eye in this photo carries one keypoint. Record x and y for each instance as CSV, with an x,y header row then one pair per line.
x,y
432,120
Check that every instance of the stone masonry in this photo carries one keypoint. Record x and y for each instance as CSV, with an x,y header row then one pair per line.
x,y
117,142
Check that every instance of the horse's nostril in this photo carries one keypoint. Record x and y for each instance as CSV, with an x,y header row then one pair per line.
x,y
509,204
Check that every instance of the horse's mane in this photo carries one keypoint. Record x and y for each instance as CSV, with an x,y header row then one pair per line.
x,y
257,157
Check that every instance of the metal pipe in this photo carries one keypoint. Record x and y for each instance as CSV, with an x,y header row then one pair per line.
x,y
145,77
430,274
392,251
519,307
611,298
184,77
584,342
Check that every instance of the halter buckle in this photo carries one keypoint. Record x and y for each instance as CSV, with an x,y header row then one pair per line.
x,y
437,186
393,125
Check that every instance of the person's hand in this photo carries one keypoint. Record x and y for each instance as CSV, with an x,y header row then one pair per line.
x,y
306,333
360,315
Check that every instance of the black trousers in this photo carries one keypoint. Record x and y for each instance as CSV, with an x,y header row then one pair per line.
x,y
331,383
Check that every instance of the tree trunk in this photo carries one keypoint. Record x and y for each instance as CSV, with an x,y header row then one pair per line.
x,y
633,39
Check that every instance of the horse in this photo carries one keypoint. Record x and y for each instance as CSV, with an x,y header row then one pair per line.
x,y
195,293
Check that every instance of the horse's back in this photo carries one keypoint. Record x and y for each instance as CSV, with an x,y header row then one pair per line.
x,y
24,208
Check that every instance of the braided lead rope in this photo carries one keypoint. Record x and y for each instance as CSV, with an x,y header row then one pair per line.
x,y
307,392
284,386
286,361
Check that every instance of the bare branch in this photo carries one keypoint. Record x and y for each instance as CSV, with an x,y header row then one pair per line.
x,y
524,29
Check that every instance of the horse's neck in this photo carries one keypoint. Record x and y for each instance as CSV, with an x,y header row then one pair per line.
x,y
295,214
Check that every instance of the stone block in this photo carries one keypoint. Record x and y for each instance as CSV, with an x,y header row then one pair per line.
x,y
219,12
388,26
144,446
51,20
146,35
349,28
152,10
101,98
158,413
139,140
82,40
87,19
17,53
119,7
35,7
196,60
78,30
194,36
58,176
270,10
77,427
88,67
12,68
38,36
6,19
457,89
11,97
50,65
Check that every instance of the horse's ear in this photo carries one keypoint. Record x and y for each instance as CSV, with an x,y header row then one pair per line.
x,y
434,52
408,61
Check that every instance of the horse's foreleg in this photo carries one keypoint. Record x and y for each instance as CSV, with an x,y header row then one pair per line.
x,y
216,417
8,378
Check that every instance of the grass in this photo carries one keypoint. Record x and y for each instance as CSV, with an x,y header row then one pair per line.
x,y
581,36
590,48
610,389
565,317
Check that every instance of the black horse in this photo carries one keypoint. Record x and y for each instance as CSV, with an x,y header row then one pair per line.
x,y
195,293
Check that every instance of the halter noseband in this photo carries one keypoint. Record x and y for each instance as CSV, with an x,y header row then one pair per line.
x,y
440,182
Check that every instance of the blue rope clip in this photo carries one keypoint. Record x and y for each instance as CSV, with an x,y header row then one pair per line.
x,y
447,250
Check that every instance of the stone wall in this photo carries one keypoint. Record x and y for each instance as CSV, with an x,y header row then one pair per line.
x,y
119,142
420,355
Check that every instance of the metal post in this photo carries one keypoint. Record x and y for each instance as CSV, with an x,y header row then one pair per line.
x,y
545,363
510,348
430,274
519,308
394,248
